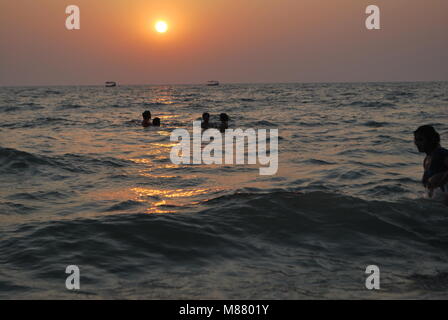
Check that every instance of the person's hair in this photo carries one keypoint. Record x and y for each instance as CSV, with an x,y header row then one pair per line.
x,y
429,133
156,122
146,114
223,117
205,114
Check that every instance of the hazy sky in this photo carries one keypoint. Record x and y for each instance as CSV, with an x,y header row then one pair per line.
x,y
226,40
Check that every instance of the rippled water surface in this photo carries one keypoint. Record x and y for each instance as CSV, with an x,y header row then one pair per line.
x,y
81,182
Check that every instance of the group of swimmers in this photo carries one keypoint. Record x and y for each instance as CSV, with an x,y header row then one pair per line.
x,y
147,120
426,139
222,125
206,124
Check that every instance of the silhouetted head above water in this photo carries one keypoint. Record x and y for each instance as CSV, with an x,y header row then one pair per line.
x,y
205,120
224,117
146,118
146,115
426,138
156,122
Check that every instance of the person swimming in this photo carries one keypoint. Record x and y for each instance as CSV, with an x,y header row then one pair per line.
x,y
146,118
156,122
435,165
224,118
205,120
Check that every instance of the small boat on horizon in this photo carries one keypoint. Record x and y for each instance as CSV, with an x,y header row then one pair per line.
x,y
212,83
110,84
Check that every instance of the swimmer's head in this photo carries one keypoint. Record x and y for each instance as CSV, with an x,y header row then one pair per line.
x,y
156,122
224,117
206,116
426,138
146,115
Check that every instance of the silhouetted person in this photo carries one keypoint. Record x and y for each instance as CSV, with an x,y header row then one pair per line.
x,y
156,122
146,119
205,120
435,165
224,118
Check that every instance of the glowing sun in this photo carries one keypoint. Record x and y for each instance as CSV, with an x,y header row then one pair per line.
x,y
161,26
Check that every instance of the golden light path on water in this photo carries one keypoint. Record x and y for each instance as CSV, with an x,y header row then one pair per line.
x,y
156,200
175,196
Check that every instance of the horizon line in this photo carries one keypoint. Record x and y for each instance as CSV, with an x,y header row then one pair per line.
x,y
221,83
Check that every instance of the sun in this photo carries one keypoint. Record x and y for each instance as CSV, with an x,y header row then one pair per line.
x,y
161,26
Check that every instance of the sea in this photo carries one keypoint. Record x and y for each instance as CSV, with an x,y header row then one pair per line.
x,y
83,184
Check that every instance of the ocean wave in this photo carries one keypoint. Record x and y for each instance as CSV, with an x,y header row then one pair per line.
x,y
43,120
317,162
21,108
40,122
70,106
197,106
375,124
12,208
432,282
279,217
39,196
372,104
266,230
52,92
395,95
13,161
9,109
262,123
157,104
124,205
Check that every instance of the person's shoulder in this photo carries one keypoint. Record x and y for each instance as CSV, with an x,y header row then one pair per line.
x,y
443,152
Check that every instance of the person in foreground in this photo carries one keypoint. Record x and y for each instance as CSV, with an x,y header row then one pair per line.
x,y
435,165
146,118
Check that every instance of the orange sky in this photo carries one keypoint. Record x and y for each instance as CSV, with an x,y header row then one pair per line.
x,y
227,40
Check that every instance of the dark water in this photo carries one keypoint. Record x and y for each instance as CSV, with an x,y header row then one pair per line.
x,y
82,183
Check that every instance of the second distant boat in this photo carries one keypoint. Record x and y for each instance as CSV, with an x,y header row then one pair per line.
x,y
110,84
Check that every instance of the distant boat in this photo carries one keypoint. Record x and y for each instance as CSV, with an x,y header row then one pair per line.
x,y
213,83
110,84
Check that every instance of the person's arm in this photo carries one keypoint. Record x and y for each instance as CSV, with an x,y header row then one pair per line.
x,y
424,178
439,179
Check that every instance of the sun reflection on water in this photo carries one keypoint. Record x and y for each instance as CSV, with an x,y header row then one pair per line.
x,y
156,200
169,198
175,193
